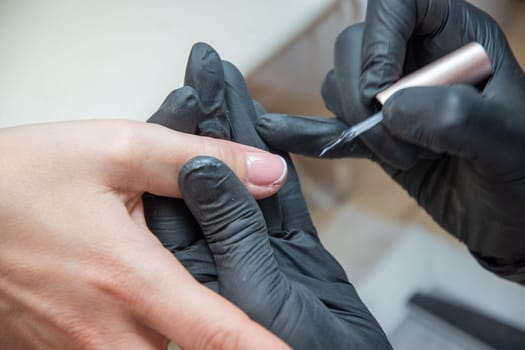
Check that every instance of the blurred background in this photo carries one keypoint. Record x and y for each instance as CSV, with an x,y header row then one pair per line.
x,y
62,60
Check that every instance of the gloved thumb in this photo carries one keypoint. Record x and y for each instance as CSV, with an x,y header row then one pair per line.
x,y
236,233
455,120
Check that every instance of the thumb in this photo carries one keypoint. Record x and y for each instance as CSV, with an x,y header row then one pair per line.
x,y
236,233
146,157
455,120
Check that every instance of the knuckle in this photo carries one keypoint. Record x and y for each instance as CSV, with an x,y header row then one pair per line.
x,y
122,144
221,151
84,336
115,278
220,338
76,329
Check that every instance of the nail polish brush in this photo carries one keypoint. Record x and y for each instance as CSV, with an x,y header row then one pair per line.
x,y
469,64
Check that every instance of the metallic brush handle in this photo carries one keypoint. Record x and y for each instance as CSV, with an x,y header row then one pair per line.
x,y
469,64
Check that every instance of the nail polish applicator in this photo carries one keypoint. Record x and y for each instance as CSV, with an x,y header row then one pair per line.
x,y
469,64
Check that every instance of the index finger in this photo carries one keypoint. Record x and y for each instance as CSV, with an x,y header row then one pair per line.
x,y
388,28
147,158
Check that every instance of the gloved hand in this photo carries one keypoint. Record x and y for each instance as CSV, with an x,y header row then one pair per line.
x,y
456,150
263,256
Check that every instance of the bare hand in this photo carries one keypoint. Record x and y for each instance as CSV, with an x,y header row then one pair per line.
x,y
79,269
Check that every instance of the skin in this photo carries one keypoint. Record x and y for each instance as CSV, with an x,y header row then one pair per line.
x,y
79,269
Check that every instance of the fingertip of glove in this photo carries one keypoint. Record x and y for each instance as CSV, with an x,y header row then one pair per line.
x,y
202,58
233,76
186,96
180,110
203,53
200,47
200,164
272,127
349,32
229,67
198,170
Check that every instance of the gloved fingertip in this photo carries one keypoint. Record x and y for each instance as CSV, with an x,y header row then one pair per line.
x,y
272,127
201,179
350,32
233,77
204,72
199,172
181,110
229,67
202,50
201,56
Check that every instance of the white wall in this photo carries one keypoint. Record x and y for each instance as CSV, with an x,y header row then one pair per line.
x,y
70,59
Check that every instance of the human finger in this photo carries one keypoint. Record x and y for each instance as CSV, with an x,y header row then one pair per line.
x,y
147,158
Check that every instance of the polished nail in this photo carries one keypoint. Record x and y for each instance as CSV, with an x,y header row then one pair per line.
x,y
266,169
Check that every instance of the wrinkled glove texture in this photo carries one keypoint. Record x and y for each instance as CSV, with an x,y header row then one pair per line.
x,y
263,256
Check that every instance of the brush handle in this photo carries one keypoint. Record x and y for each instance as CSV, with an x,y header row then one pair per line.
x,y
469,64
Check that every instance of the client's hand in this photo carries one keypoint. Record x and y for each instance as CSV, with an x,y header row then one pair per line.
x,y
263,256
79,269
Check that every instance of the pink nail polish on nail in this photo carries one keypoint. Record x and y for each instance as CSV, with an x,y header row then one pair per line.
x,y
265,169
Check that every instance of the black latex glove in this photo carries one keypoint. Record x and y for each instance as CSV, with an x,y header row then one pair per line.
x,y
263,256
467,145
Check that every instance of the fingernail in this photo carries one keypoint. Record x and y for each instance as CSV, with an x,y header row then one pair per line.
x,y
265,169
